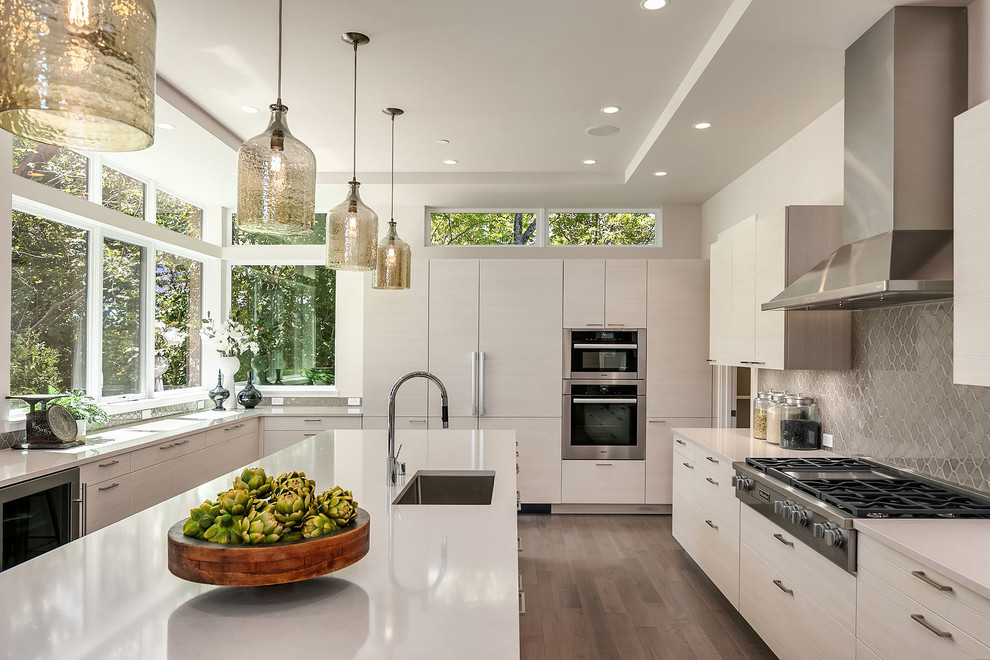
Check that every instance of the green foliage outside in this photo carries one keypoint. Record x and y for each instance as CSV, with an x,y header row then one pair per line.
x,y
178,310
82,407
123,193
48,305
317,237
482,228
294,310
122,270
178,215
601,228
56,167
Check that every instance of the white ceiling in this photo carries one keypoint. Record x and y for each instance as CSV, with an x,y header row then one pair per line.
x,y
513,84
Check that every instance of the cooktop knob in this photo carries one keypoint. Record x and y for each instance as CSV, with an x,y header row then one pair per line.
x,y
742,482
784,508
819,530
799,515
833,537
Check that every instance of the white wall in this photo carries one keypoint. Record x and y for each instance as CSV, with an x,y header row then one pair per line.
x,y
807,169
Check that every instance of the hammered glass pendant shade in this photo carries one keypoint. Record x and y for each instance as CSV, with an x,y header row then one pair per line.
x,y
352,234
276,181
79,73
393,261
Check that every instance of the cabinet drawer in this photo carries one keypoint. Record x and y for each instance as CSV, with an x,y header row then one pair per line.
x,y
231,431
896,627
105,468
714,493
863,652
148,456
150,486
832,588
967,610
311,423
717,553
684,447
788,620
718,465
107,502
278,440
603,482
189,444
189,471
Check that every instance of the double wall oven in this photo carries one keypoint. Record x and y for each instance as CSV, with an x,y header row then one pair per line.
x,y
604,390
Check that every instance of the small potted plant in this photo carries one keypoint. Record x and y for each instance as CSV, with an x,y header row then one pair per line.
x,y
85,410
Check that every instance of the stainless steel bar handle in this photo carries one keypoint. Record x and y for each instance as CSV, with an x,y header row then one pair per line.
x,y
81,501
522,602
711,481
781,586
921,619
712,525
110,464
688,466
603,400
481,383
110,487
593,325
474,382
713,460
781,538
927,580
604,346
679,441
616,325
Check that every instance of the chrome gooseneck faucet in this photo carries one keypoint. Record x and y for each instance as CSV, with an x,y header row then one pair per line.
x,y
393,463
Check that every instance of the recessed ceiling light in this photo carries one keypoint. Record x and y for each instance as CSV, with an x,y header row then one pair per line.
x,y
654,4
660,173
166,126
702,125
250,109
589,161
611,109
450,161
602,131
443,141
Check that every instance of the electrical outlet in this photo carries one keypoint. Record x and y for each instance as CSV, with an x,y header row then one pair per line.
x,y
828,440
276,400
354,401
146,413
201,404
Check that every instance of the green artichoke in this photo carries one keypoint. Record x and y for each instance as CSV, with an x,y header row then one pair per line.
x,y
338,505
255,482
201,519
225,530
293,481
258,527
318,525
292,508
236,502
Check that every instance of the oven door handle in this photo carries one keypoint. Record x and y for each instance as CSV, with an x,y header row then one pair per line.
x,y
604,400
609,346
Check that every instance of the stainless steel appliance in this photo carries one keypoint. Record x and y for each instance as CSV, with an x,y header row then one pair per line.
x,y
609,354
604,419
39,515
817,498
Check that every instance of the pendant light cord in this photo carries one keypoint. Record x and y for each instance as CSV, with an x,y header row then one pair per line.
x,y
279,102
354,150
391,211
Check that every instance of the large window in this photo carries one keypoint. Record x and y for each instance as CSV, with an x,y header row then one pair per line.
x,y
178,311
293,308
48,305
483,228
56,167
316,237
178,215
601,228
123,268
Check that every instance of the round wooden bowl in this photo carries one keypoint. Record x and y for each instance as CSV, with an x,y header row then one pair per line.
x,y
258,565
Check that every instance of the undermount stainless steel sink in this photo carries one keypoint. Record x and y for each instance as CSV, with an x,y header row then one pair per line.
x,y
448,487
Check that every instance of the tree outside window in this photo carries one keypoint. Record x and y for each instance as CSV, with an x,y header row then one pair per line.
x,y
482,228
178,311
602,228
178,215
55,167
123,267
123,193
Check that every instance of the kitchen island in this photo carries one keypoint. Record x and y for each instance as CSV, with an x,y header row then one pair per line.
x,y
438,581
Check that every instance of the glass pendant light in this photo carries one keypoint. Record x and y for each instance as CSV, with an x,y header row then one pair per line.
x,y
352,227
276,175
79,73
392,256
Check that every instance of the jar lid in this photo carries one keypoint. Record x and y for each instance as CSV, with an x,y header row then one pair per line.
x,y
778,397
799,400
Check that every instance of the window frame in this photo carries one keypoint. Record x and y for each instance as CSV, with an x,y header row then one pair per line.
x,y
657,225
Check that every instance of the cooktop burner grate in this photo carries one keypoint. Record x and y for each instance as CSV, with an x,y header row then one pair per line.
x,y
809,463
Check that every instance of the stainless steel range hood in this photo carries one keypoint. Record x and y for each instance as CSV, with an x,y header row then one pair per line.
x,y
905,81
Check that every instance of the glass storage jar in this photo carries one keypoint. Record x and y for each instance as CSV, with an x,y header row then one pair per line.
x,y
760,406
773,417
800,424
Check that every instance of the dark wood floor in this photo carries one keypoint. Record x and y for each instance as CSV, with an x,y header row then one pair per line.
x,y
621,587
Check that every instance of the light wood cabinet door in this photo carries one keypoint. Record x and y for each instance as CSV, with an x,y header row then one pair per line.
x,y
625,293
743,292
396,341
770,281
660,456
538,448
603,482
521,338
151,486
720,300
189,471
584,293
971,244
682,509
679,378
107,502
453,340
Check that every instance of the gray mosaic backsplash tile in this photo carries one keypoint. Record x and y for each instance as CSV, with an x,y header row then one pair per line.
x,y
899,404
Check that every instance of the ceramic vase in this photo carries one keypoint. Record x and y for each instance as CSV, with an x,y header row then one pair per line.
x,y
229,367
250,396
219,393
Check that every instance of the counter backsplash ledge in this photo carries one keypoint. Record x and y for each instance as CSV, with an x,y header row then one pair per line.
x,y
899,404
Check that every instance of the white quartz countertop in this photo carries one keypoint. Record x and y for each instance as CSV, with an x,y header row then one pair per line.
x,y
21,465
438,582
739,444
955,548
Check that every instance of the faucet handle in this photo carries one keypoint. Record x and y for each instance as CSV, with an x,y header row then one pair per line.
x,y
400,469
397,452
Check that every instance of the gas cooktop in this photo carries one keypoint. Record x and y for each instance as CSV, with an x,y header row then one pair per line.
x,y
870,490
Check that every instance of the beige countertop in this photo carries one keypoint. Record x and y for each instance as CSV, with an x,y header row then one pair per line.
x,y
739,444
21,465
